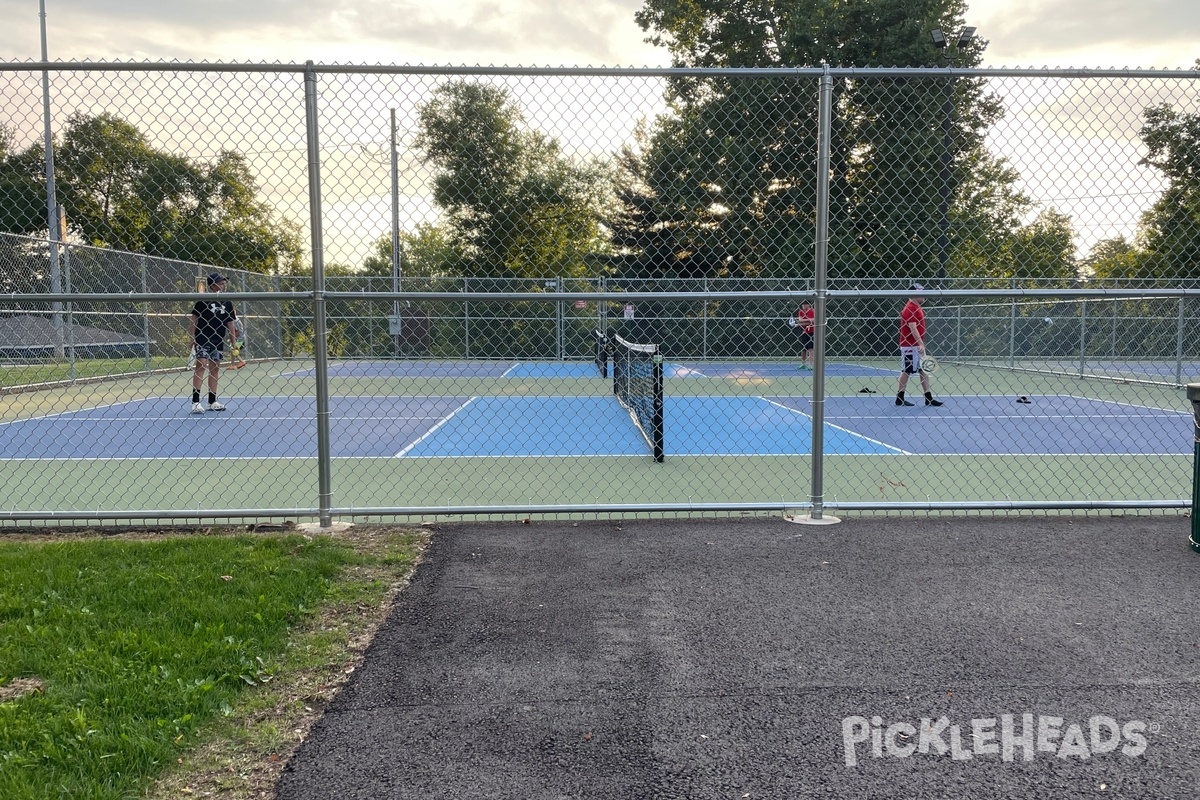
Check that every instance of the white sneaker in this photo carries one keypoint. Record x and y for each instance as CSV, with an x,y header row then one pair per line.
x,y
217,406
197,408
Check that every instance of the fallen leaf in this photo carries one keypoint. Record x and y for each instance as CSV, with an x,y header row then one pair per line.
x,y
227,578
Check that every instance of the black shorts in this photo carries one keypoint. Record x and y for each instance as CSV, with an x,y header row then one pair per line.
x,y
806,339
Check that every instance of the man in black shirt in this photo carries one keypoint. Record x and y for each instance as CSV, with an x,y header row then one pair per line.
x,y
211,322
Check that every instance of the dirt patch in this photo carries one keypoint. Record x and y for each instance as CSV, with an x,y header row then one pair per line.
x,y
20,687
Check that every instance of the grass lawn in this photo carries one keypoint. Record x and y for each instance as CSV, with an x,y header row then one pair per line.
x,y
30,374
177,664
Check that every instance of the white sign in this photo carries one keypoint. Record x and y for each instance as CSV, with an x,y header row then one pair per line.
x,y
629,311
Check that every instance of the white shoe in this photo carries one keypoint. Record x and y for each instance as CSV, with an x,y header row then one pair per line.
x,y
197,408
217,406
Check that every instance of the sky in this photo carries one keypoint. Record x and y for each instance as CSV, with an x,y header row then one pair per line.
x,y
1098,34
1022,33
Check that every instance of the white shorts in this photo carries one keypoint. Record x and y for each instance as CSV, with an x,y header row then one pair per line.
x,y
910,360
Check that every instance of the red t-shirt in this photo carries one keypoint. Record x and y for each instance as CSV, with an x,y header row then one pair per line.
x,y
805,318
911,313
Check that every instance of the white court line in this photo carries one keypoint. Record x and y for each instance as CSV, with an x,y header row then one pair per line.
x,y
431,431
1128,405
838,427
79,410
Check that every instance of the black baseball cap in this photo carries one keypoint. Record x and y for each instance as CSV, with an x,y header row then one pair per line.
x,y
215,278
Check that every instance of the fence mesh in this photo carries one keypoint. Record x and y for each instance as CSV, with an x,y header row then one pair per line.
x,y
466,269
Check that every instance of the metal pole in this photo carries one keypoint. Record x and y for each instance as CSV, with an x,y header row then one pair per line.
x,y
325,488
1179,324
54,233
820,273
395,236
1082,338
944,208
145,311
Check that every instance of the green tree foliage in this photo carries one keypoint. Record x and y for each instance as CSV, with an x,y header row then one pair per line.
x,y
22,190
727,180
515,205
1113,261
1170,229
120,192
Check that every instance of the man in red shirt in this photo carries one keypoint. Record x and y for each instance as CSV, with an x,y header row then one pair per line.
x,y
912,347
805,325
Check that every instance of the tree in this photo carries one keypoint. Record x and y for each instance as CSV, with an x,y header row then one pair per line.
x,y
732,169
122,193
515,205
1170,229
22,192
1113,260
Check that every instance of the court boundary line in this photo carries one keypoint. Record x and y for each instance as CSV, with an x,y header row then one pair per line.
x,y
434,429
899,450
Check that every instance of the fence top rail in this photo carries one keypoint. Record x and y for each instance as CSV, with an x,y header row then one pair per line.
x,y
147,297
448,69
615,297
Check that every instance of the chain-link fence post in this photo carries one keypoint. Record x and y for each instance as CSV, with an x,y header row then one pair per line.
x,y
1193,396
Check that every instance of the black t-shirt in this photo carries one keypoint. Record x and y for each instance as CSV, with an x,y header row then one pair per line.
x,y
212,321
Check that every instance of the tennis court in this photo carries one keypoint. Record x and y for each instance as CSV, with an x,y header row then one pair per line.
x,y
450,434
260,426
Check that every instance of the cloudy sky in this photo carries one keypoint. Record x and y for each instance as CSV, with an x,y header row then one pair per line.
x,y
1023,33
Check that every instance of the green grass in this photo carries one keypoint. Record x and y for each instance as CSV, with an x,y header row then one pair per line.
x,y
139,644
13,375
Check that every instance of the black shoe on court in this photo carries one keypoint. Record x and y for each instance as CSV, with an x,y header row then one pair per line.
x,y
932,402
900,401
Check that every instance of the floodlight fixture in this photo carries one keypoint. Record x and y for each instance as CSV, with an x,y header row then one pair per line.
x,y
939,38
965,37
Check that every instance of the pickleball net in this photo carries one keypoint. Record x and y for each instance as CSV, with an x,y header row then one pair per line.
x,y
638,385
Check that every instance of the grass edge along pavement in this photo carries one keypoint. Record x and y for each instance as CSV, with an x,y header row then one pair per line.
x,y
236,740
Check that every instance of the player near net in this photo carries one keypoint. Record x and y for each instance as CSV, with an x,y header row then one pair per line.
x,y
912,347
210,323
804,323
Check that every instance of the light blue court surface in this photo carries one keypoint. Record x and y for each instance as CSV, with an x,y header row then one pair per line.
x,y
415,427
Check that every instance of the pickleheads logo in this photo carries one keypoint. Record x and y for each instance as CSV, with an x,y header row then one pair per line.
x,y
994,737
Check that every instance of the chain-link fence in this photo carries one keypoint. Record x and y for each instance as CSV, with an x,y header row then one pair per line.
x,y
423,259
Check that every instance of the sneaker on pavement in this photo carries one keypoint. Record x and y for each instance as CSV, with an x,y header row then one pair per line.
x,y
197,408
217,406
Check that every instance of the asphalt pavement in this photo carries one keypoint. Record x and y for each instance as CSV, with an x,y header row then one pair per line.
x,y
884,657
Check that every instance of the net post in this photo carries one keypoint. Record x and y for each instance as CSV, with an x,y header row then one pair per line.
x,y
659,450
1193,396
601,355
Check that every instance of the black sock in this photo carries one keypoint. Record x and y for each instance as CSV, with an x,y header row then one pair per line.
x,y
212,398
195,396
899,395
929,396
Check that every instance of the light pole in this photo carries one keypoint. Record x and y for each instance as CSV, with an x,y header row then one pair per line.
x,y
939,41
395,322
52,213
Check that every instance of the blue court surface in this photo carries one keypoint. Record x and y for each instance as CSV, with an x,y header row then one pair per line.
x,y
775,369
454,369
373,427
577,369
